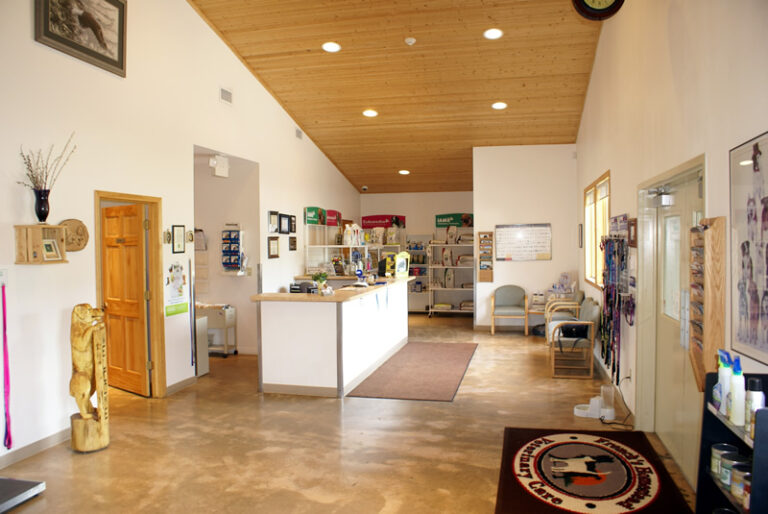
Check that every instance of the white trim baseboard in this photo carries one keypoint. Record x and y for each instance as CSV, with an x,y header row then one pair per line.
x,y
35,448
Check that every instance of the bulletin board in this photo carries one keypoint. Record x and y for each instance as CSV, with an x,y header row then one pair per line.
x,y
531,242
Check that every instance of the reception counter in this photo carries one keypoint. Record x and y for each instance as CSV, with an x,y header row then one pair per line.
x,y
326,345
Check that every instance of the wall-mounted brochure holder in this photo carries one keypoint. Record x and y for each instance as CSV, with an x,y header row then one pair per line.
x,y
485,256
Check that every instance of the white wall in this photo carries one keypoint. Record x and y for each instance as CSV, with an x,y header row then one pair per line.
x,y
526,184
218,201
671,81
419,209
134,135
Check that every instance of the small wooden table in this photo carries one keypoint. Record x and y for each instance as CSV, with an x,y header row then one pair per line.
x,y
536,309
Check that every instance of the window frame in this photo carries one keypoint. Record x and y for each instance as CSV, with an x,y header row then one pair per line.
x,y
593,188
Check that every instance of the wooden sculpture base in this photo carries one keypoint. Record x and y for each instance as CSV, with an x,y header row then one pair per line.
x,y
88,435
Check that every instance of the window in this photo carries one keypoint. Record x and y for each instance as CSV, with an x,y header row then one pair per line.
x,y
596,223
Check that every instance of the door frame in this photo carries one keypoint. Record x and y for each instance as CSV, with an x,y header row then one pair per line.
x,y
158,385
645,364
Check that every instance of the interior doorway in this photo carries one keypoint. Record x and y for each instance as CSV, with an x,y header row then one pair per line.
x,y
226,199
668,399
130,289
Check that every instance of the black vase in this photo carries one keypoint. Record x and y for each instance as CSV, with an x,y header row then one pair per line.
x,y
41,204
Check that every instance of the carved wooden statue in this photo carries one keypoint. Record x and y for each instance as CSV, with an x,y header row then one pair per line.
x,y
90,427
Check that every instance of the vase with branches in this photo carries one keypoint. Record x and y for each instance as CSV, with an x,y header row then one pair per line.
x,y
41,172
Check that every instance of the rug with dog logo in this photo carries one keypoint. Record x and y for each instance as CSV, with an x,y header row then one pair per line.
x,y
556,471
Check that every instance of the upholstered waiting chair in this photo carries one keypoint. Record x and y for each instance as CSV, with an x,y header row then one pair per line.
x,y
509,302
572,356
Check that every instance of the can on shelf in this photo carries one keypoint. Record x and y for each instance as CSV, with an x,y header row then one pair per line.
x,y
717,451
727,461
747,492
738,473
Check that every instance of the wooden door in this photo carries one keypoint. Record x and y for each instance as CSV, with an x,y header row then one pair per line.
x,y
678,402
123,284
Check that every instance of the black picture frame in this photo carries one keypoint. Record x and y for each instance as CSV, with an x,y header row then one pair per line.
x,y
284,224
178,239
292,243
272,222
293,224
96,36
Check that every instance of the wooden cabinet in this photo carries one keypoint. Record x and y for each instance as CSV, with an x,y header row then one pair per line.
x,y
715,428
707,296
40,244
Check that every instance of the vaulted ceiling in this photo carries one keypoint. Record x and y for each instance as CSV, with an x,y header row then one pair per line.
x,y
433,97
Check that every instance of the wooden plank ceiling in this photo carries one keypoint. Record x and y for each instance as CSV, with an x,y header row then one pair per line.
x,y
434,97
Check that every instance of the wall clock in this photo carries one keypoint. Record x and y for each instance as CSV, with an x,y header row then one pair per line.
x,y
597,9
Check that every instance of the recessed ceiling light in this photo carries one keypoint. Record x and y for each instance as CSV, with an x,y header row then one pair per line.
x,y
499,106
493,33
410,41
331,47
746,163
370,113
404,172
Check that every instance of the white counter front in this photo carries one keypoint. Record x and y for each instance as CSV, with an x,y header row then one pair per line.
x,y
326,346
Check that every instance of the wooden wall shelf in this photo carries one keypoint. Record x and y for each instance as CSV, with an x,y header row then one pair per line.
x,y
707,294
41,244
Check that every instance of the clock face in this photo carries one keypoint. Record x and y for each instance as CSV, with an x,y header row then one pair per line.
x,y
597,9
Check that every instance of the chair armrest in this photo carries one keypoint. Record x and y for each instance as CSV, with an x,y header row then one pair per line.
x,y
590,324
493,303
560,305
526,305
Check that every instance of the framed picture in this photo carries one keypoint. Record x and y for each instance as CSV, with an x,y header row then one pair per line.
x,y
272,223
285,223
749,271
292,243
293,224
51,250
273,247
91,30
632,232
178,238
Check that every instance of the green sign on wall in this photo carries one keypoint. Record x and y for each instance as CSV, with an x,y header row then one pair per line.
x,y
456,219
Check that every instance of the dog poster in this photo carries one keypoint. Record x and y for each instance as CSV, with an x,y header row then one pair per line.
x,y
749,238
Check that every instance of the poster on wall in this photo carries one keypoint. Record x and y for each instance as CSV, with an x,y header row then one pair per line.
x,y
455,219
176,290
749,238
529,242
383,220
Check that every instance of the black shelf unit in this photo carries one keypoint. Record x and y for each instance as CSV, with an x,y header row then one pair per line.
x,y
715,428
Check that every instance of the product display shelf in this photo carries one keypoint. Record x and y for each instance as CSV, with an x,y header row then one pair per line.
x,y
318,251
707,296
418,290
716,428
463,274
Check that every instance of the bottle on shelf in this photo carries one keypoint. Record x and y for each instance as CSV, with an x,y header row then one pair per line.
x,y
737,394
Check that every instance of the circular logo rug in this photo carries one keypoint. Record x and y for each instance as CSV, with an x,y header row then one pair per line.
x,y
586,473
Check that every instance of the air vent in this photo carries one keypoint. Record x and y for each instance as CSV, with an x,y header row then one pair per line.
x,y
225,95
299,134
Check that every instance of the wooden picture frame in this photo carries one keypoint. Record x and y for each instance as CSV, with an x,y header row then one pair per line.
x,y
96,35
178,239
632,232
284,223
292,243
51,250
749,204
273,247
272,222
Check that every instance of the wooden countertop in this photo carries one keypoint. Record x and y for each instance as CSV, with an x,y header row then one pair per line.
x,y
335,277
338,296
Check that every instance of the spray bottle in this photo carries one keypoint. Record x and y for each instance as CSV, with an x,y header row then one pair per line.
x,y
723,386
737,395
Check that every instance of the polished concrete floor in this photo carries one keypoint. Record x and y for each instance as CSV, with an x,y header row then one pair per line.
x,y
219,446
